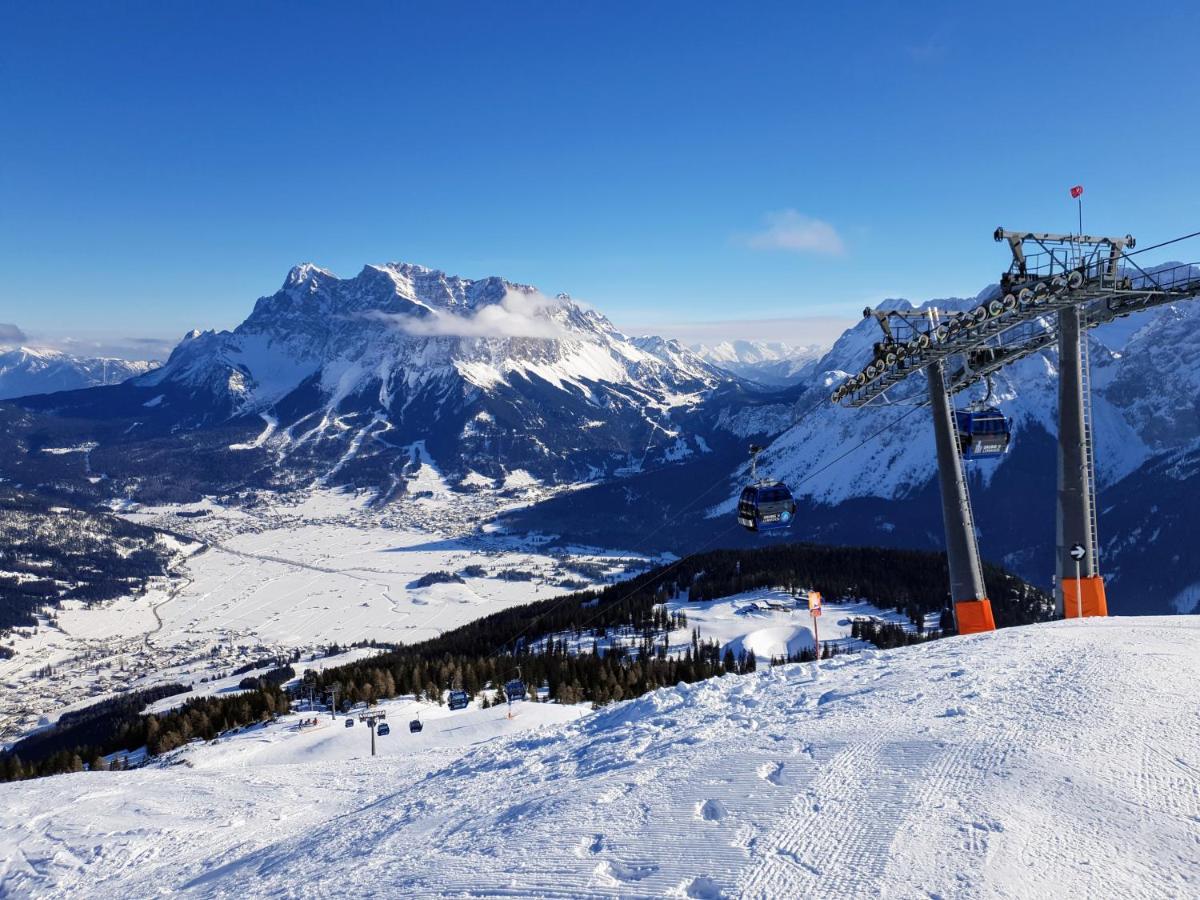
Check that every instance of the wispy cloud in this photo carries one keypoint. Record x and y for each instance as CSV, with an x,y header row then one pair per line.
x,y
11,334
519,315
795,232
94,345
930,47
798,330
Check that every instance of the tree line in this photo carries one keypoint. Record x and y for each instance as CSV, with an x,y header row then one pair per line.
x,y
116,726
97,556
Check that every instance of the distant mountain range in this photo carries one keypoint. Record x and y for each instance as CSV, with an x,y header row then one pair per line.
x,y
26,370
381,380
404,380
766,362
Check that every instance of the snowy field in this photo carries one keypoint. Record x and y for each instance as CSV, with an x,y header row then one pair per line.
x,y
287,742
290,573
1058,760
766,623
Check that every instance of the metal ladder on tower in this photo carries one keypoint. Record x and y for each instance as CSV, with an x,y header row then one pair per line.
x,y
1089,454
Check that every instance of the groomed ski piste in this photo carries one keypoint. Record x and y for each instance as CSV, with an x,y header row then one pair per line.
x,y
1057,760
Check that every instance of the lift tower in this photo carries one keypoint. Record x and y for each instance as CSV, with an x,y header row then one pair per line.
x,y
1052,295
1079,589
972,609
969,601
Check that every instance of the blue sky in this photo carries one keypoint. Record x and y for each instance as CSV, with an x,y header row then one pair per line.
x,y
673,164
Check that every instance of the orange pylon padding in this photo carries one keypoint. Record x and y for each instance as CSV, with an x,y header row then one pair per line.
x,y
974,616
1088,590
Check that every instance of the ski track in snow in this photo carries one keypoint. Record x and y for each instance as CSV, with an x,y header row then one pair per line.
x,y
1058,760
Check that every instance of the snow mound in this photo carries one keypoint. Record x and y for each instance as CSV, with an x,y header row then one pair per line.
x,y
1049,761
778,640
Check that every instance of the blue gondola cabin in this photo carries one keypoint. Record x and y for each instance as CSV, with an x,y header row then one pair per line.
x,y
515,690
982,434
766,507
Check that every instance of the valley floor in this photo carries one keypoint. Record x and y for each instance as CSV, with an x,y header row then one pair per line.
x,y
1057,760
275,578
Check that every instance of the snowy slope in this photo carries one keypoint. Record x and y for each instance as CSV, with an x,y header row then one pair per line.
x,y
26,370
1049,761
287,742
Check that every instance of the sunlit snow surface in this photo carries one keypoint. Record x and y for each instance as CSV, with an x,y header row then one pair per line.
x,y
1048,761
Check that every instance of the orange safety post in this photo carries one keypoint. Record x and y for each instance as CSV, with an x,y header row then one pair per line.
x,y
974,616
1084,596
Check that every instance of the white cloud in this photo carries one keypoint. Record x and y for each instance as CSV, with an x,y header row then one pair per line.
x,y
11,335
798,330
798,233
91,344
519,315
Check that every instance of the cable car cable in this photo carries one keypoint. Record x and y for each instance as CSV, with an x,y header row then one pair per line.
x,y
860,445
1163,244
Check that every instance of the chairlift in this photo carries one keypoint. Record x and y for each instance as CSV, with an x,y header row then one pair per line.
x,y
459,700
384,728
415,725
349,723
764,505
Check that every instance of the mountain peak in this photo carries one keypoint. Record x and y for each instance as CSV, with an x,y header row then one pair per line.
x,y
305,273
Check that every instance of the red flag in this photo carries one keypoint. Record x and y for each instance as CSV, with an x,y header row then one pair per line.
x,y
1077,191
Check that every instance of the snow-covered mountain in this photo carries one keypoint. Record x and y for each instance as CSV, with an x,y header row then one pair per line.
x,y
27,370
406,380
1055,760
1144,403
766,362
868,474
367,379
867,477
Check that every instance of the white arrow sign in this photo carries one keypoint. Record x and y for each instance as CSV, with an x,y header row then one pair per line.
x,y
1077,552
